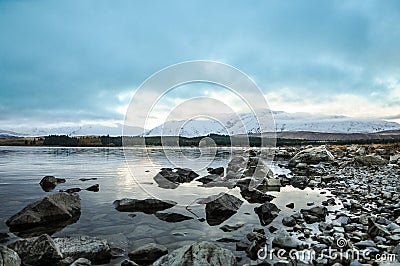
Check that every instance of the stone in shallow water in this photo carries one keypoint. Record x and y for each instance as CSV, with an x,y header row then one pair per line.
x,y
200,253
312,155
94,249
38,250
148,206
81,262
48,183
230,228
267,212
221,207
315,214
171,217
289,221
9,257
47,215
284,240
148,253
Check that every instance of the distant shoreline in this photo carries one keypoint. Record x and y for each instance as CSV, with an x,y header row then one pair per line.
x,y
282,139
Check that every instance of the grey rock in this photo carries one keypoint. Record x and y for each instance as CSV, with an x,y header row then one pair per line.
x,y
171,217
369,160
9,257
375,229
148,206
37,251
289,221
267,212
148,253
318,211
94,188
128,263
96,250
209,178
216,171
221,207
312,156
230,228
81,262
198,254
46,215
365,244
48,183
284,240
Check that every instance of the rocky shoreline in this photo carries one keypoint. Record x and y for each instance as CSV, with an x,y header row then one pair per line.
x,y
363,216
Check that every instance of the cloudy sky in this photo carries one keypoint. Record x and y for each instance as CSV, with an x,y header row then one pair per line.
x,y
80,61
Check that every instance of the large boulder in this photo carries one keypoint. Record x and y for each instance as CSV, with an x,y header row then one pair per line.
x,y
220,207
148,206
96,250
9,257
267,213
200,253
148,253
48,183
46,215
37,251
369,160
312,155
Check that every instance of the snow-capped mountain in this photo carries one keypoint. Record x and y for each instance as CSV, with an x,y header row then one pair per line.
x,y
84,130
228,124
284,122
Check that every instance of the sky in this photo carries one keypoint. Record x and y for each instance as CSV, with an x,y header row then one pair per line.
x,y
76,62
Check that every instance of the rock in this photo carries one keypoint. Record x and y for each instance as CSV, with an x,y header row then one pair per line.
x,y
394,159
9,257
172,217
148,206
312,156
370,160
94,188
200,253
46,215
48,183
315,214
37,251
273,182
230,228
289,221
216,171
365,244
148,253
283,240
299,182
81,262
290,205
87,179
96,250
178,175
4,237
220,207
128,263
208,178
71,190
267,212
375,229
165,183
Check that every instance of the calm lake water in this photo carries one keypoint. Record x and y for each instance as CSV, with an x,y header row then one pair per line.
x,y
21,169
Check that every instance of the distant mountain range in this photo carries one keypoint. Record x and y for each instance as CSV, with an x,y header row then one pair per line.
x,y
285,123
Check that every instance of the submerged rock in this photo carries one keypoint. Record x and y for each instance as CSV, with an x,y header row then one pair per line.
x,y
267,212
48,183
284,240
9,257
46,215
94,188
200,253
37,251
171,217
96,250
219,208
148,206
312,155
148,253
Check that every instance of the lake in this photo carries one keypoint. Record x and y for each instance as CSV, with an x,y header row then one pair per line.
x,y
22,168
